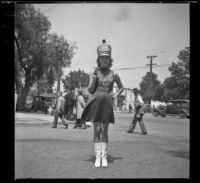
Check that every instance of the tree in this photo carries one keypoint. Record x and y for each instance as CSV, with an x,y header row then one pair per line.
x,y
159,91
53,72
149,86
177,85
76,79
50,78
31,29
35,56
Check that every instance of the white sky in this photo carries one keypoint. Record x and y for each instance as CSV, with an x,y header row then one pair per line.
x,y
134,30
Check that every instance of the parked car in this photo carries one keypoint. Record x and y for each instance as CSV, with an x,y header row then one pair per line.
x,y
147,108
180,107
42,103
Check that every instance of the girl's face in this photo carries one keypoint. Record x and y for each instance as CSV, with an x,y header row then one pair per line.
x,y
104,61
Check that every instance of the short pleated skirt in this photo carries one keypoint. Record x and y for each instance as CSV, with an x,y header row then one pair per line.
x,y
99,108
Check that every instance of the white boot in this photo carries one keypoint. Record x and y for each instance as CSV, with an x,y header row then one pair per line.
x,y
104,150
97,147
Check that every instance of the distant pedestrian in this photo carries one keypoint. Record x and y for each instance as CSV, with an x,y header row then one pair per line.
x,y
80,107
130,108
70,102
139,113
50,110
99,108
59,111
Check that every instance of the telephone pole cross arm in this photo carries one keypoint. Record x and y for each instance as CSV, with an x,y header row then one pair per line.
x,y
151,62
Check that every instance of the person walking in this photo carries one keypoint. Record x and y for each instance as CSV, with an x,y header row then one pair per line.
x,y
70,102
99,108
80,108
130,108
139,113
59,111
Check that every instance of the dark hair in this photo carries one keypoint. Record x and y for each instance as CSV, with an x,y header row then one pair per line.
x,y
99,65
135,90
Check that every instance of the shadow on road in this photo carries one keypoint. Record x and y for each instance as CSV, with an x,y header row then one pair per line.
x,y
110,158
180,154
139,133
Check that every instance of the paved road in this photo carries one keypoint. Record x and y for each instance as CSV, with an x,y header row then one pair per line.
x,y
43,152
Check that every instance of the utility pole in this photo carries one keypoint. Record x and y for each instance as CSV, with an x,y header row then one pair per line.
x,y
151,78
151,62
59,75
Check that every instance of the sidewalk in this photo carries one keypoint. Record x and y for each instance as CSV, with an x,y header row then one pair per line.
x,y
33,118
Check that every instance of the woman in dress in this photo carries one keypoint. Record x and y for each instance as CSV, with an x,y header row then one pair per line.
x,y
99,108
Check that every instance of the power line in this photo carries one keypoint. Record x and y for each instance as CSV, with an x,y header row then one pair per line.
x,y
50,8
163,65
130,68
144,52
158,52
163,50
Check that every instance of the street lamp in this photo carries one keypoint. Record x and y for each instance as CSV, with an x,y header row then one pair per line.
x,y
61,52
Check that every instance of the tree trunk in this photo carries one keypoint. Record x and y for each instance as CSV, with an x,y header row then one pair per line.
x,y
21,102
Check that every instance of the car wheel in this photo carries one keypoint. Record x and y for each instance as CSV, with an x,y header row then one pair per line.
x,y
163,114
182,115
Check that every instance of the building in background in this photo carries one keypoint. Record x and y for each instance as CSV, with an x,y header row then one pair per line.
x,y
122,102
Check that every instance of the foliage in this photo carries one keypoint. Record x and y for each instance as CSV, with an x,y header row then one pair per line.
x,y
178,84
30,34
42,87
174,87
35,57
76,79
149,86
56,57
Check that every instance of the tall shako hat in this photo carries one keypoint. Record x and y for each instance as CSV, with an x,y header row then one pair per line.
x,y
104,49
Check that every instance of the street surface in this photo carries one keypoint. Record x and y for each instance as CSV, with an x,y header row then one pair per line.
x,y
43,152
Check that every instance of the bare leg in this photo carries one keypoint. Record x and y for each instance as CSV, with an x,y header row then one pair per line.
x,y
97,131
104,132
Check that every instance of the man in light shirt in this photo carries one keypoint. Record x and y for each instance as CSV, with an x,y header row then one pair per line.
x,y
59,111
139,113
